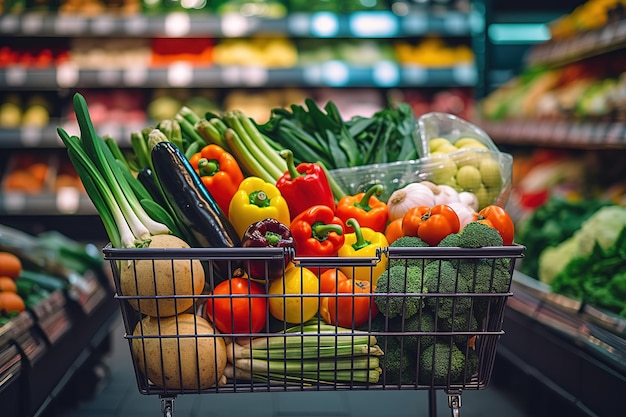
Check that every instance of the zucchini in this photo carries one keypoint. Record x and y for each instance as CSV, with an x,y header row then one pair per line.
x,y
191,202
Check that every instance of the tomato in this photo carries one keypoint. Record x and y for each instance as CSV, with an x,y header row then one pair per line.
x,y
431,224
499,219
244,312
283,303
394,230
349,309
329,280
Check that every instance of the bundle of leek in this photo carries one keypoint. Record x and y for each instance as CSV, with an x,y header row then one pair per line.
x,y
309,354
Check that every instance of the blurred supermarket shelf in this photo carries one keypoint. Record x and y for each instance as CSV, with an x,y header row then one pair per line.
x,y
182,74
367,24
562,133
592,43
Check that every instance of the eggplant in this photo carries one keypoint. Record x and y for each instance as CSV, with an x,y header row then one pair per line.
x,y
146,177
194,206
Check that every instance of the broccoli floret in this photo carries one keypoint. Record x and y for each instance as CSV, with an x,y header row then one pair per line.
x,y
403,281
440,361
451,241
421,322
464,322
398,362
477,235
486,276
441,277
407,242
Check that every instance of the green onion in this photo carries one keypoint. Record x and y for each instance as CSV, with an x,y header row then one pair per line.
x,y
310,353
101,173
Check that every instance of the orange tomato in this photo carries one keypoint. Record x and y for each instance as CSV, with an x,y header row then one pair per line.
x,y
431,224
351,310
394,230
11,302
7,284
10,265
498,218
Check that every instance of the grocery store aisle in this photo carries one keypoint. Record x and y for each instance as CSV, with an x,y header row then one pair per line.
x,y
118,396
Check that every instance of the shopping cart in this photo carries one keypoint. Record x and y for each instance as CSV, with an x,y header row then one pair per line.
x,y
444,338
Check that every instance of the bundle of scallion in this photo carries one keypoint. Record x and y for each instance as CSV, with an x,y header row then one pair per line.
x,y
314,353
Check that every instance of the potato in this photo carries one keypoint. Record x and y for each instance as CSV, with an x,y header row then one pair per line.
x,y
163,277
185,362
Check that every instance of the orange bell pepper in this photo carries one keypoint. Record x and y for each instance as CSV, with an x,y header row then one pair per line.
x,y
220,173
369,211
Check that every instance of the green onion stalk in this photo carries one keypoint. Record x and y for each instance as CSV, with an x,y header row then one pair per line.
x,y
310,353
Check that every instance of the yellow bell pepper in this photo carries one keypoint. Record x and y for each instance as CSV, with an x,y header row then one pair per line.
x,y
293,309
364,242
257,200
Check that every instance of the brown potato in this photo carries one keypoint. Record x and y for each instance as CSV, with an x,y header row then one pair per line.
x,y
185,362
163,277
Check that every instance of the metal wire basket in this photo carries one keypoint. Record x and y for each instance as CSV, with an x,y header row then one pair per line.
x,y
436,323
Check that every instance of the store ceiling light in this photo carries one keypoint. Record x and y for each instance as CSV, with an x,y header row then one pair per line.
x,y
508,33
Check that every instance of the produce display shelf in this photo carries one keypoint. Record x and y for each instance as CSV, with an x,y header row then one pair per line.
x,y
367,24
43,348
584,45
328,74
563,133
68,201
554,343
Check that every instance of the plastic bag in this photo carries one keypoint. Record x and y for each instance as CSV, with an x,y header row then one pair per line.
x,y
471,162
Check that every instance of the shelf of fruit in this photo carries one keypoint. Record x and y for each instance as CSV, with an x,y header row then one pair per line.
x,y
181,74
56,310
580,45
366,24
559,133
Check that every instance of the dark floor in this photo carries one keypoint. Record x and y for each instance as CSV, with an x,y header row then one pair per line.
x,y
117,396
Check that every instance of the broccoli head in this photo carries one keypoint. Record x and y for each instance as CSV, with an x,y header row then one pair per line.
x,y
464,322
440,361
399,291
485,276
407,242
441,277
398,362
451,241
478,235
424,321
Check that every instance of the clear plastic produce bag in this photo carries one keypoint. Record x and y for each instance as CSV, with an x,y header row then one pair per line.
x,y
456,153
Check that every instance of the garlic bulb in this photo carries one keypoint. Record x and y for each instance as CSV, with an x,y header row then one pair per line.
x,y
413,195
469,199
466,214
446,195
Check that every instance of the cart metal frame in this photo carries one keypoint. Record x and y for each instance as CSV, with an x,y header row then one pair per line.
x,y
485,336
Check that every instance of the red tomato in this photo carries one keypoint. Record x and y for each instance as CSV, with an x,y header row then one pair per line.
x,y
499,219
431,224
351,310
244,312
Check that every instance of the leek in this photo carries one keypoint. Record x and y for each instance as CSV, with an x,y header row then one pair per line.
x,y
126,222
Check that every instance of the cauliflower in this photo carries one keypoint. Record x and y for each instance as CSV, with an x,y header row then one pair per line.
x,y
604,226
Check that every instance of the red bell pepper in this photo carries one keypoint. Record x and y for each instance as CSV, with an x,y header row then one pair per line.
x,y
366,208
317,232
304,186
220,173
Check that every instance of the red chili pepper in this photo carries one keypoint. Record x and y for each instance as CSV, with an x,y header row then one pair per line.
x,y
366,208
317,232
304,186
220,173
